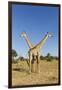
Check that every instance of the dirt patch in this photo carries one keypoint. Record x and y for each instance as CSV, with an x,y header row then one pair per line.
x,y
48,73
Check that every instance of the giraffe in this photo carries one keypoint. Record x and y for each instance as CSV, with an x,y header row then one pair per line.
x,y
36,51
23,34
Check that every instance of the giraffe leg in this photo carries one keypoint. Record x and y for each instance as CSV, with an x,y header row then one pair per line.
x,y
29,62
33,64
32,67
38,63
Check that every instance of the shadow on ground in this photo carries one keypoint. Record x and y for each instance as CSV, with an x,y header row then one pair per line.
x,y
20,70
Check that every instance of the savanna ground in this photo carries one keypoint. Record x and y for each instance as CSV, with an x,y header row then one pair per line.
x,y
48,73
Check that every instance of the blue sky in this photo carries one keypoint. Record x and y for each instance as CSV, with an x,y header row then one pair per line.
x,y
36,21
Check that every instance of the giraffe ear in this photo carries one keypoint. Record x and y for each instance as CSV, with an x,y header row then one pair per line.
x,y
49,34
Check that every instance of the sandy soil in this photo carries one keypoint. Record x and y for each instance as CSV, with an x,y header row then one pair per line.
x,y
48,73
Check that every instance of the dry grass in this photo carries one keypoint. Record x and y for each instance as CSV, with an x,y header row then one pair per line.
x,y
48,73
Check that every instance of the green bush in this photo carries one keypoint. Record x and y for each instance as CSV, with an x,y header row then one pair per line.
x,y
14,61
49,57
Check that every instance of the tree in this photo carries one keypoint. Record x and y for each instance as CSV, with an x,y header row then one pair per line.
x,y
21,58
48,57
14,53
42,57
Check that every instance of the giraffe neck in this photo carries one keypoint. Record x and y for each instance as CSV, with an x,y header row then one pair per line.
x,y
28,42
42,42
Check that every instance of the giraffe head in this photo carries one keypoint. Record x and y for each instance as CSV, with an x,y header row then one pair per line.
x,y
49,34
23,34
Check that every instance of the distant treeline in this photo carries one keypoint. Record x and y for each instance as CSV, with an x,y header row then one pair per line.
x,y
42,58
48,57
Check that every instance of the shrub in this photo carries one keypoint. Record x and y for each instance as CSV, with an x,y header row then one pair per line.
x,y
14,61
